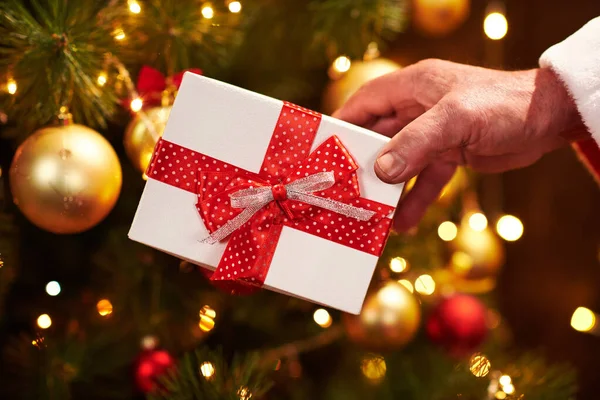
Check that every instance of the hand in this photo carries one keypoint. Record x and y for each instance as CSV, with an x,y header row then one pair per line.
x,y
441,115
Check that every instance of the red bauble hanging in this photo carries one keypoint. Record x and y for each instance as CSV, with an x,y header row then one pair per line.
x,y
458,324
151,365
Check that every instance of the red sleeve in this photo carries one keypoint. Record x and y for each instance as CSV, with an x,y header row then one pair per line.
x,y
589,153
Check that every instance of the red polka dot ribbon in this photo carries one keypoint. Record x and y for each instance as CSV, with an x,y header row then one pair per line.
x,y
288,162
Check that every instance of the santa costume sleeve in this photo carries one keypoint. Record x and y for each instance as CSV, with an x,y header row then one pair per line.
x,y
576,60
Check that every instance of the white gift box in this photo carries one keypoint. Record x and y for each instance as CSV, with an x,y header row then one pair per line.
x,y
235,126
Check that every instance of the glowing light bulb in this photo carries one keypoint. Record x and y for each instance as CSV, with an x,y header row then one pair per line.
x,y
208,12
119,34
53,288
11,86
510,228
406,283
342,64
134,6
102,79
478,222
207,318
398,264
44,321
447,231
104,307
322,318
136,104
207,369
425,284
495,26
583,319
235,7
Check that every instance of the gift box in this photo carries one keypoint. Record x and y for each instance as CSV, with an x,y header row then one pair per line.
x,y
267,194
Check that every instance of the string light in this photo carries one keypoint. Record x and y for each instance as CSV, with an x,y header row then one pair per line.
x,y
510,228
11,86
207,11
235,7
119,34
136,104
134,6
425,285
104,307
244,393
495,26
207,318
478,222
373,368
44,321
207,369
447,231
102,78
398,264
583,319
53,288
322,318
480,365
406,283
342,64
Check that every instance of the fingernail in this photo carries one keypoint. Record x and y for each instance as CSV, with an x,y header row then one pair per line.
x,y
391,164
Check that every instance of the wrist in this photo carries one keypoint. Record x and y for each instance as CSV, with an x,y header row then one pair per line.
x,y
553,102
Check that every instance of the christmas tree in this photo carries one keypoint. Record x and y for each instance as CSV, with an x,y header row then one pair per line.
x,y
86,313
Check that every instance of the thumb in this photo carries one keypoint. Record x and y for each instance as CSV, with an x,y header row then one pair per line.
x,y
418,144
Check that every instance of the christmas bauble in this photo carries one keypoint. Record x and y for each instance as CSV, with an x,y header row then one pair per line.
x,y
65,179
439,17
142,133
151,365
389,319
478,254
458,324
339,91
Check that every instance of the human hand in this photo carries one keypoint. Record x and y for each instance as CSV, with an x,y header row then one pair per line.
x,y
441,115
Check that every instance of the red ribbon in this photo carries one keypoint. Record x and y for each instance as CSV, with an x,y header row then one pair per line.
x,y
151,83
250,249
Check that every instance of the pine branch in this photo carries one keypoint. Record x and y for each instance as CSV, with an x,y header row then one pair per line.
x,y
55,50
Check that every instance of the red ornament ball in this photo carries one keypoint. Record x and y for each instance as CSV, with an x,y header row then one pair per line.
x,y
151,365
458,324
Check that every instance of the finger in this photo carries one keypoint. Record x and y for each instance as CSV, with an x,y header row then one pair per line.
x,y
422,141
380,97
426,190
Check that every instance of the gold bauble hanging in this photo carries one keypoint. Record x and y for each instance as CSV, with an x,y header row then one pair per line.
x,y
339,91
142,133
478,254
389,319
439,17
65,179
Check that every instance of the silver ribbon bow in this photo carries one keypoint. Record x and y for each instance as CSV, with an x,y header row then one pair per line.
x,y
253,199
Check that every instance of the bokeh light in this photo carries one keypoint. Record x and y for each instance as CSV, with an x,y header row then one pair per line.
x,y
207,369
447,231
235,7
104,307
134,6
425,284
478,222
510,228
207,318
119,34
53,288
208,12
583,319
342,64
11,86
136,104
480,365
373,367
398,264
407,284
44,321
322,318
495,26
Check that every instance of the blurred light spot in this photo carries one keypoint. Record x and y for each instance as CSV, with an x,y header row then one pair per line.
x,y
208,12
461,262
101,79
583,319
342,64
44,321
136,104
322,318
207,318
480,365
478,222
510,228
406,283
118,34
398,264
53,288
207,369
235,7
447,231
11,86
495,26
425,284
104,307
373,367
134,6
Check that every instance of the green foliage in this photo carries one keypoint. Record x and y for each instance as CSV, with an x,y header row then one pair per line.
x,y
55,50
240,379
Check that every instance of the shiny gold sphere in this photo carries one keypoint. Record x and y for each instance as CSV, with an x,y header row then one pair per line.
x,y
478,254
339,91
65,179
439,17
142,133
389,319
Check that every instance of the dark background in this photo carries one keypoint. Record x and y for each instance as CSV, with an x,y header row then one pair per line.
x,y
554,268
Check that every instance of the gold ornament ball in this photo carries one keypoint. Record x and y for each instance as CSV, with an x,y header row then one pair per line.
x,y
339,91
439,17
478,254
389,319
65,179
142,133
